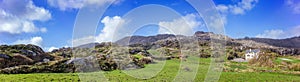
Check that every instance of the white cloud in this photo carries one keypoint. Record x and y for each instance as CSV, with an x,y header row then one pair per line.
x,y
43,30
51,49
34,40
295,5
18,16
222,8
280,34
108,31
84,40
276,34
295,31
238,9
182,26
217,24
77,4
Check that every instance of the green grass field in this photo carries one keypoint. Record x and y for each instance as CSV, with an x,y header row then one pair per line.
x,y
168,73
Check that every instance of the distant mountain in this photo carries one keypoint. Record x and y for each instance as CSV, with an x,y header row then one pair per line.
x,y
89,45
143,39
293,42
205,36
290,46
283,46
199,35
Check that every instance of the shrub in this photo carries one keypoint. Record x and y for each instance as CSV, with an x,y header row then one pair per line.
x,y
263,60
205,53
295,67
138,56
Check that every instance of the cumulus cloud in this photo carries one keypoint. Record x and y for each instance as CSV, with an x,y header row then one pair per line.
x,y
280,34
240,8
237,9
108,32
182,26
294,5
77,4
217,24
34,40
18,16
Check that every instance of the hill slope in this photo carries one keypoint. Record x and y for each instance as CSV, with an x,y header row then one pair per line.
x,y
293,42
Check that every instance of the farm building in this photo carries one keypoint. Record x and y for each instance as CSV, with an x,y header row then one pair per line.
x,y
251,54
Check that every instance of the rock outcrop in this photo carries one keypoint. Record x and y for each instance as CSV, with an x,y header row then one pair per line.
x,y
14,55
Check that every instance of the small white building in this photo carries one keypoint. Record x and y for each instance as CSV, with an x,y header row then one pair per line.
x,y
251,54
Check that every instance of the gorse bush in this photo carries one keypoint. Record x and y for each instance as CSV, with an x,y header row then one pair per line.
x,y
264,60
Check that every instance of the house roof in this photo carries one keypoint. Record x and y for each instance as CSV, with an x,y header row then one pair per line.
x,y
254,50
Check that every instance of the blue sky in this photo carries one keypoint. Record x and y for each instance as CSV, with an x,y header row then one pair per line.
x,y
49,23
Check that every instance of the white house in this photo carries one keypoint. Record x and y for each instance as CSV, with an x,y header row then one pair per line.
x,y
251,54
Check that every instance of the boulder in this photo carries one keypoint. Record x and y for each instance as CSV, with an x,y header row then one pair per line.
x,y
84,64
4,56
146,60
3,63
15,60
19,59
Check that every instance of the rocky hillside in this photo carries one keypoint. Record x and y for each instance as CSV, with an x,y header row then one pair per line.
x,y
14,55
104,56
143,39
133,53
289,46
166,39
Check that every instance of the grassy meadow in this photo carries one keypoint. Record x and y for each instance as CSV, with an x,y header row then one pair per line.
x,y
168,73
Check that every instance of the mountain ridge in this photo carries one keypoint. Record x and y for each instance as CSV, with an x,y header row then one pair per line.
x,y
293,42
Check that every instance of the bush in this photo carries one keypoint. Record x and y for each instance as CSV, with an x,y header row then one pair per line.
x,y
264,60
138,56
295,67
205,53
